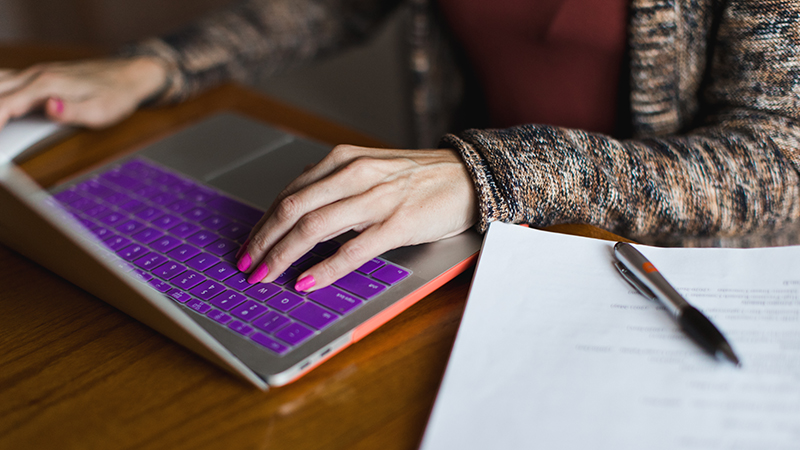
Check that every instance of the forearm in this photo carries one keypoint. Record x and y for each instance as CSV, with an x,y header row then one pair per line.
x,y
735,177
258,37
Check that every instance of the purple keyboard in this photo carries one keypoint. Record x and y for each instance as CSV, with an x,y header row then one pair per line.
x,y
181,238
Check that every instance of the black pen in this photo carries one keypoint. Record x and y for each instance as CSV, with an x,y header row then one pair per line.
x,y
646,279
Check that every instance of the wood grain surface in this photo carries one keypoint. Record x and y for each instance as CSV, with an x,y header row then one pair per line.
x,y
77,374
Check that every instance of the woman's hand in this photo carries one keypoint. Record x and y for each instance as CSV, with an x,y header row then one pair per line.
x,y
90,93
393,197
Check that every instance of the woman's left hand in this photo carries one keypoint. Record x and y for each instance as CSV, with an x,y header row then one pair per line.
x,y
393,198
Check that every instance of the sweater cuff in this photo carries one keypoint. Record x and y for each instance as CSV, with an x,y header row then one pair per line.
x,y
492,205
175,88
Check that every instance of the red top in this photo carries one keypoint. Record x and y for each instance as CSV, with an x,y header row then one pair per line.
x,y
551,62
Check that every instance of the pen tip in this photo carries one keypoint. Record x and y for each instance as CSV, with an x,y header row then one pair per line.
x,y
728,353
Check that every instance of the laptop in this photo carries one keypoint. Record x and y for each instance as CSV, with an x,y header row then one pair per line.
x,y
155,234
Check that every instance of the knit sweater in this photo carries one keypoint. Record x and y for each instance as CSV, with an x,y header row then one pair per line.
x,y
714,94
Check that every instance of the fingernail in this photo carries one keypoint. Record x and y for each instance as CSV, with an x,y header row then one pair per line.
x,y
242,249
244,262
59,105
305,283
258,274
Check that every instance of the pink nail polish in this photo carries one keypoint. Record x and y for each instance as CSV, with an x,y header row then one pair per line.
x,y
242,249
244,262
59,106
305,283
258,274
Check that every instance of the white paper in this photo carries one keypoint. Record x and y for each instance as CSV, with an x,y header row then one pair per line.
x,y
20,134
557,351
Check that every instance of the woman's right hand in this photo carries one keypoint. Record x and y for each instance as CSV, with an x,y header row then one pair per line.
x,y
94,93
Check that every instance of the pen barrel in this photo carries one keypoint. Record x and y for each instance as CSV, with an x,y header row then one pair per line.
x,y
701,330
649,276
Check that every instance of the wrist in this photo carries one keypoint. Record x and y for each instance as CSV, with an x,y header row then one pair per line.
x,y
149,78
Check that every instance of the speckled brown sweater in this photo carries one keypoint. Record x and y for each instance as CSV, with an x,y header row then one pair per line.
x,y
714,95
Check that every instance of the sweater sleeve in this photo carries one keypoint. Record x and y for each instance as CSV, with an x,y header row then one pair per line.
x,y
257,37
737,173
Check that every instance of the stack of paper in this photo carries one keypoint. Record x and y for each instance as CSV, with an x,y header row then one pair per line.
x,y
557,351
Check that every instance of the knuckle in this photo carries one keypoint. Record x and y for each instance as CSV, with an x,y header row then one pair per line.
x,y
312,224
327,271
353,252
342,153
288,208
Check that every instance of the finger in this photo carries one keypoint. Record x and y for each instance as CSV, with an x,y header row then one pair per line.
x,y
339,156
94,112
331,220
11,81
355,178
354,253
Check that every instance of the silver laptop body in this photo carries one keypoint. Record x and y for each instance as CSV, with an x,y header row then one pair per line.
x,y
249,161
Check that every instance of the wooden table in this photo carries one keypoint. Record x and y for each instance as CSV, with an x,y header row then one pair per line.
x,y
76,373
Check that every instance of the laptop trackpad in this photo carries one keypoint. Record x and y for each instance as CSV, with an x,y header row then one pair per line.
x,y
260,180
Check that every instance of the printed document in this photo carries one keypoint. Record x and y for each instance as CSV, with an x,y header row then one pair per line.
x,y
557,351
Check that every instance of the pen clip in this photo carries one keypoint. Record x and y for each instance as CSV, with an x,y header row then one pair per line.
x,y
633,281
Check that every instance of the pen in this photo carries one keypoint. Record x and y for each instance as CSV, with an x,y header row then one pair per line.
x,y
648,281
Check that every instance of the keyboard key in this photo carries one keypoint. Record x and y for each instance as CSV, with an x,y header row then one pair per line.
x,y
83,204
132,252
160,286
370,266
102,233
149,213
285,301
202,238
150,261
249,310
165,243
262,291
183,252
142,275
95,188
132,206
184,229
313,315
294,334
197,214
197,305
269,343
166,221
240,328
219,316
200,194
390,274
180,206
120,179
129,227
207,289
237,210
289,275
169,270
360,285
96,211
117,242
238,282
202,262
335,299
234,231
112,218
215,222
222,271
68,196
271,322
228,300
179,295
187,280
163,198
222,247
147,235
118,198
